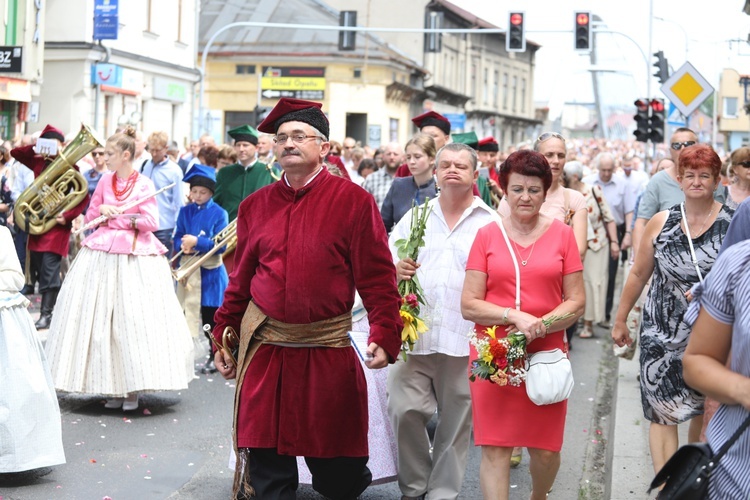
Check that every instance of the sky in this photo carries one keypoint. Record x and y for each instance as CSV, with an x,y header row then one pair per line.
x,y
562,74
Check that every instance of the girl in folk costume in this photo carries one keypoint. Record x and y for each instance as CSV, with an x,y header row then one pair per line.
x,y
197,224
119,329
30,432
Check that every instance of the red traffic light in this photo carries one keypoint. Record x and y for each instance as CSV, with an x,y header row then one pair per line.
x,y
657,105
642,105
516,19
582,18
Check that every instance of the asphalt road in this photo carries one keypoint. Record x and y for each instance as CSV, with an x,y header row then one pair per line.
x,y
177,445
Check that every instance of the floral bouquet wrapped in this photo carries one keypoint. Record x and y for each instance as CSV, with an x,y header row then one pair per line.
x,y
411,293
502,361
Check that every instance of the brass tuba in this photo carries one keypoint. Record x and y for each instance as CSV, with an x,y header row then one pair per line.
x,y
60,187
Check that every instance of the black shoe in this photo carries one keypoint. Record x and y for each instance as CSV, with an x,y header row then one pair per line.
x,y
44,321
27,290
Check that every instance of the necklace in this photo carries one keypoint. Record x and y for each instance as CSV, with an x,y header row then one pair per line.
x,y
700,231
121,194
526,260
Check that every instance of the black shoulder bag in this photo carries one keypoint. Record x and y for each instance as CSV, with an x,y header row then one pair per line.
x,y
688,471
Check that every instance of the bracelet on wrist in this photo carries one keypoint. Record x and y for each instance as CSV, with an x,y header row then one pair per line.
x,y
505,315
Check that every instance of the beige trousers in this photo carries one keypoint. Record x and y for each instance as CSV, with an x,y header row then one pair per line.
x,y
595,279
416,388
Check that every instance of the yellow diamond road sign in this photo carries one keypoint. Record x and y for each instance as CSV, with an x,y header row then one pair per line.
x,y
687,89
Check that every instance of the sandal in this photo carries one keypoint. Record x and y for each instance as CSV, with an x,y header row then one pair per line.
x,y
516,457
586,333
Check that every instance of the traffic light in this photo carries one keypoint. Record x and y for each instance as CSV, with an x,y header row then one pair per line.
x,y
656,122
641,120
662,72
259,114
347,39
515,38
433,41
583,31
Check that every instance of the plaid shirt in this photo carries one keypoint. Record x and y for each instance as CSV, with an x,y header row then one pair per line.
x,y
378,184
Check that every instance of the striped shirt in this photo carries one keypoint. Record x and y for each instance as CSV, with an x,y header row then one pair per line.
x,y
725,295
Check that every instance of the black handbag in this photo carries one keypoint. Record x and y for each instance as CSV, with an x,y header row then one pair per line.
x,y
686,474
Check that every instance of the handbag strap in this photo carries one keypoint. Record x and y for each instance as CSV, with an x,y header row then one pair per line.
x,y
690,242
518,272
725,447
515,265
599,206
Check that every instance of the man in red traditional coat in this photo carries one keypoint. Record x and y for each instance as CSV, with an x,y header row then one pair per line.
x,y
47,250
299,260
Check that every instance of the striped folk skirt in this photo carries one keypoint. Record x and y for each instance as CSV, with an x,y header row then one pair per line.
x,y
118,328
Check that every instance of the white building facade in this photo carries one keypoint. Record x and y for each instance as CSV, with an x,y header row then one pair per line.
x,y
146,77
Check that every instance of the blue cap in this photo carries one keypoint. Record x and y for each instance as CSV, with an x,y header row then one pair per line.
x,y
201,175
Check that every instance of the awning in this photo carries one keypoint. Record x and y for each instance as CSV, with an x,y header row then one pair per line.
x,y
12,89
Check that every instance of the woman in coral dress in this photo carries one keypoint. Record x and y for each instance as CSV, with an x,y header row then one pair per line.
x,y
550,269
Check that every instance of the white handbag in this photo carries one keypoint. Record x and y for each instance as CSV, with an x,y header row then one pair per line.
x,y
549,374
549,377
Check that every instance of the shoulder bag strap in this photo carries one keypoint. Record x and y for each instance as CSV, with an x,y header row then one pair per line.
x,y
515,265
601,214
690,242
732,439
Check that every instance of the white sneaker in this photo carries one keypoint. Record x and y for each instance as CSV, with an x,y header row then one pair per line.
x,y
130,403
114,403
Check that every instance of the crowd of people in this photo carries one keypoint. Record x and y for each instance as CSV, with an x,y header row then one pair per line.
x,y
284,245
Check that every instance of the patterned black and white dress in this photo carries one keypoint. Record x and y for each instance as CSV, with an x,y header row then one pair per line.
x,y
664,336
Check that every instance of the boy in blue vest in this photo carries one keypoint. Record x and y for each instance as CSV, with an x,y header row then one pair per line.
x,y
197,223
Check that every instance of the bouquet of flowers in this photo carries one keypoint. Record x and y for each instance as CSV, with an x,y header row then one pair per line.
x,y
411,293
502,361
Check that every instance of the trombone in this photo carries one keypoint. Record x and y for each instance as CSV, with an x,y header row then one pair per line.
x,y
227,237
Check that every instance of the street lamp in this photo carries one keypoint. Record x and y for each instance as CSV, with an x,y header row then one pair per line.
x,y
684,32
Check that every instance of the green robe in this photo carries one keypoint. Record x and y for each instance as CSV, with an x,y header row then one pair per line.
x,y
234,183
484,190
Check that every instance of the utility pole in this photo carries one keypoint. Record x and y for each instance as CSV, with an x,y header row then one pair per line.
x,y
603,130
648,71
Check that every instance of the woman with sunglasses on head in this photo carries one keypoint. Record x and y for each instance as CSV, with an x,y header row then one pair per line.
x,y
739,188
679,247
561,203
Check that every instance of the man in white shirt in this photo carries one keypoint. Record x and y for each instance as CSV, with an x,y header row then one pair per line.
x,y
141,154
346,152
435,375
636,179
